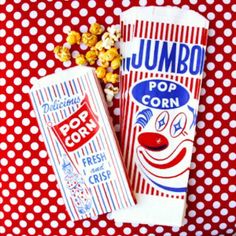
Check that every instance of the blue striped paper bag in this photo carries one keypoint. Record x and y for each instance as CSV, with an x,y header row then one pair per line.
x,y
81,142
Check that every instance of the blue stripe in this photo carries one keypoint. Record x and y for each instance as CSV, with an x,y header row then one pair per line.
x,y
113,204
178,190
49,93
52,157
61,97
75,87
67,89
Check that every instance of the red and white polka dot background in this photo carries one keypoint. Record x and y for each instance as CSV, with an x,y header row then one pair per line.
x,y
30,201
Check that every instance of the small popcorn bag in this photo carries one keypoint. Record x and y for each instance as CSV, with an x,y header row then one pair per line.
x,y
81,143
163,51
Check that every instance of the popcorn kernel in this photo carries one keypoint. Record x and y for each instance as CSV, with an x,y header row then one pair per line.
x,y
73,38
89,39
116,63
96,29
91,57
100,72
111,78
80,60
63,53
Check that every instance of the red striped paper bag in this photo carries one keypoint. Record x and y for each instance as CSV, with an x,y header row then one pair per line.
x,y
81,142
163,50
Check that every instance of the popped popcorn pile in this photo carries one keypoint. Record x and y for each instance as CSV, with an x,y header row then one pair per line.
x,y
102,50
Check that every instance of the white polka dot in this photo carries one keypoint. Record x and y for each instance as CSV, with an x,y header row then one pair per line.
x,y
33,14
100,11
41,6
125,3
83,12
216,172
25,6
41,22
25,23
227,32
17,15
50,30
9,40
75,20
79,231
67,13
109,20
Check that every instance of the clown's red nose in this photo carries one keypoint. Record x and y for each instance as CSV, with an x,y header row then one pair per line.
x,y
153,141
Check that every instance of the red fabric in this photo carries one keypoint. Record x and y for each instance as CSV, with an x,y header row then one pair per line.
x,y
30,201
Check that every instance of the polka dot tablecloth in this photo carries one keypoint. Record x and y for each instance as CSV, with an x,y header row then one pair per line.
x,y
30,201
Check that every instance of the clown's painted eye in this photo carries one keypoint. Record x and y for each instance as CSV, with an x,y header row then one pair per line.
x,y
162,120
178,125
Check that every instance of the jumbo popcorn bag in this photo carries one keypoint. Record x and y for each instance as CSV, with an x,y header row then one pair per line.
x,y
163,50
81,143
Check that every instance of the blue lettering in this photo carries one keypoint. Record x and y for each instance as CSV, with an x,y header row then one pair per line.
x,y
183,58
45,107
167,59
138,64
154,60
195,60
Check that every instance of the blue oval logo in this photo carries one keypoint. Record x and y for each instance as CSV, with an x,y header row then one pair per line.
x,y
160,94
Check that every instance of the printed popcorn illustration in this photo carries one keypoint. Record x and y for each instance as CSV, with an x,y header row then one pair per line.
x,y
163,50
84,152
78,189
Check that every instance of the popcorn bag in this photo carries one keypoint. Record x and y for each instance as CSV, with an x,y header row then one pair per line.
x,y
81,143
163,51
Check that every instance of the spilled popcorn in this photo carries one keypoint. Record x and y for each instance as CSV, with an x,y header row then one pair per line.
x,y
102,53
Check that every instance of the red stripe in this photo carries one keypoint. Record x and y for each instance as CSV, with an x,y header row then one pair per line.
x,y
181,33
122,28
136,28
197,37
204,36
98,201
152,191
156,33
197,89
130,170
146,29
162,31
187,82
128,137
124,34
191,85
192,34
138,183
134,176
114,191
187,34
176,33
152,30
141,29
126,110
107,198
167,31
148,188
129,32
172,32
142,186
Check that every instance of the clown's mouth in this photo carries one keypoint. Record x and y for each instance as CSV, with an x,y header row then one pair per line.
x,y
153,141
